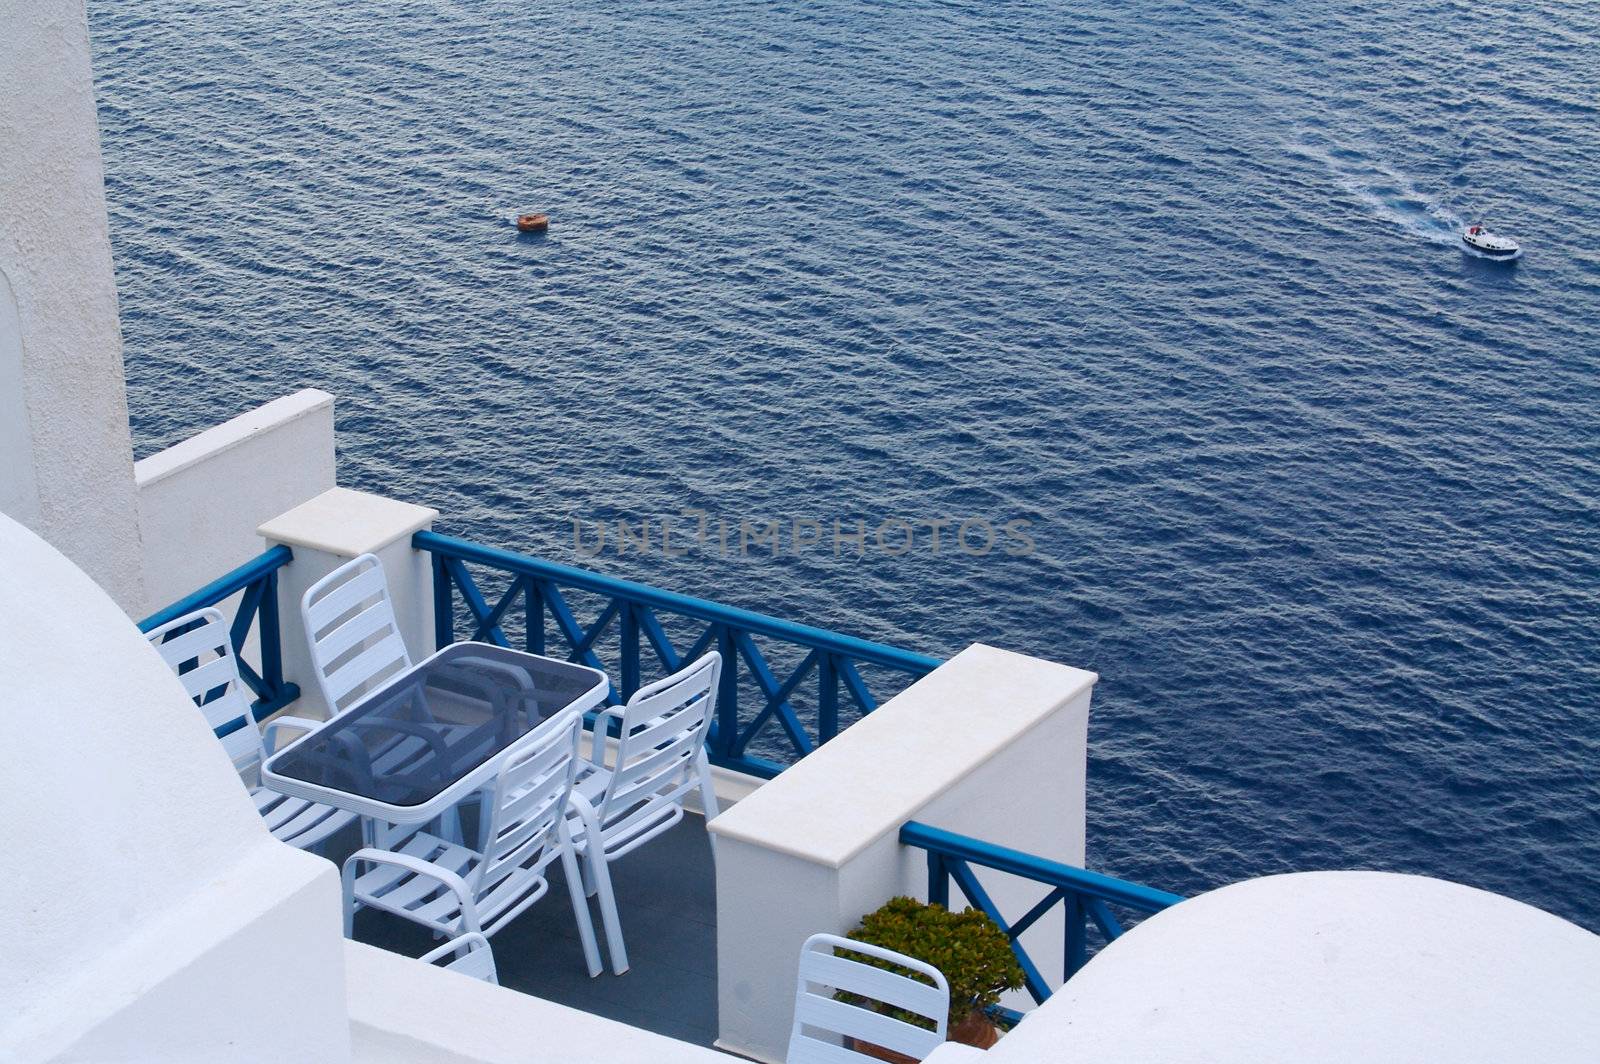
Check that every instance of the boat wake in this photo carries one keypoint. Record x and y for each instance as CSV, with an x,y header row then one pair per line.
x,y
1386,193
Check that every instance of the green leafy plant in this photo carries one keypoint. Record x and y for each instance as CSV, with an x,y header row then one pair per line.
x,y
968,947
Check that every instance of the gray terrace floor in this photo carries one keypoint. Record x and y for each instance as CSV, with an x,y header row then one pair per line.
x,y
666,894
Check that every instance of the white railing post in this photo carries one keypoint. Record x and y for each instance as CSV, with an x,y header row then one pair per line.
x,y
990,744
329,530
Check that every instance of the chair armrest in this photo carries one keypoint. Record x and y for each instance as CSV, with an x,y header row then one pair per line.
x,y
511,672
270,732
421,731
602,729
448,879
472,941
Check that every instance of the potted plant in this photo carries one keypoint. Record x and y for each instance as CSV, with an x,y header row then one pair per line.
x,y
968,947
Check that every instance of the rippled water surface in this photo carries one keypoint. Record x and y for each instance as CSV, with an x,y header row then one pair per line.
x,y
1314,492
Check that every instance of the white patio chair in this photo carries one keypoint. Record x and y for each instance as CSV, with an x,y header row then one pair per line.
x,y
204,660
824,1026
354,639
451,889
661,757
468,954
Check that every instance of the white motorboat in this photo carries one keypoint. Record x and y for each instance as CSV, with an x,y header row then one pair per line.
x,y
1488,244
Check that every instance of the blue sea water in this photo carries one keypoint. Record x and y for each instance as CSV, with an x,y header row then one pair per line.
x,y
1177,283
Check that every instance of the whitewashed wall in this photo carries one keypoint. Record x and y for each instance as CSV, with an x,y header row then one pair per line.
x,y
145,910
202,500
66,468
152,533
991,744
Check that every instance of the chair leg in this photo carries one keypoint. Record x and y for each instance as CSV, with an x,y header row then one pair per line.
x,y
588,874
597,877
587,865
608,908
580,904
708,791
590,831
450,826
708,795
348,877
485,801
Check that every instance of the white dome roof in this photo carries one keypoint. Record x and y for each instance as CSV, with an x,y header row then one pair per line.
x,y
119,802
1341,967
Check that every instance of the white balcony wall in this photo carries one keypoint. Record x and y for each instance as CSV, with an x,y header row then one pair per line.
x,y
991,744
202,500
402,1012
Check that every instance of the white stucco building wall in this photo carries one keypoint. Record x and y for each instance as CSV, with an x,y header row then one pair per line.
x,y
68,465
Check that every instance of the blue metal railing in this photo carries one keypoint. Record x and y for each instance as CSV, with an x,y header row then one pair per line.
x,y
258,579
537,587
1084,895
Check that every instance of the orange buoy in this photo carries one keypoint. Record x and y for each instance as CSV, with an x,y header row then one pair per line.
x,y
533,223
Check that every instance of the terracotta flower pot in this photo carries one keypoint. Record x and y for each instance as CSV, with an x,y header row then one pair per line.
x,y
878,1052
974,1030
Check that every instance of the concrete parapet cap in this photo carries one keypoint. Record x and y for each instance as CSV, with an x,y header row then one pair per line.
x,y
880,771
229,434
347,523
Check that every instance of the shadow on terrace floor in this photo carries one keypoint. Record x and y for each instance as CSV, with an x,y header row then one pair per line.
x,y
666,894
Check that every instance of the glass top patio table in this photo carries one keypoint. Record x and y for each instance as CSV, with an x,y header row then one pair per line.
x,y
432,735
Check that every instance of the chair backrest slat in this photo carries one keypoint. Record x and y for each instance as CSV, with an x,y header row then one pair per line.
x,y
372,623
663,728
842,973
897,1036
646,775
528,812
529,806
349,680
822,1022
354,638
201,655
650,733
356,581
210,636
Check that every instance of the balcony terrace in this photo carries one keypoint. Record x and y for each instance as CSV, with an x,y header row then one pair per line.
x,y
791,690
